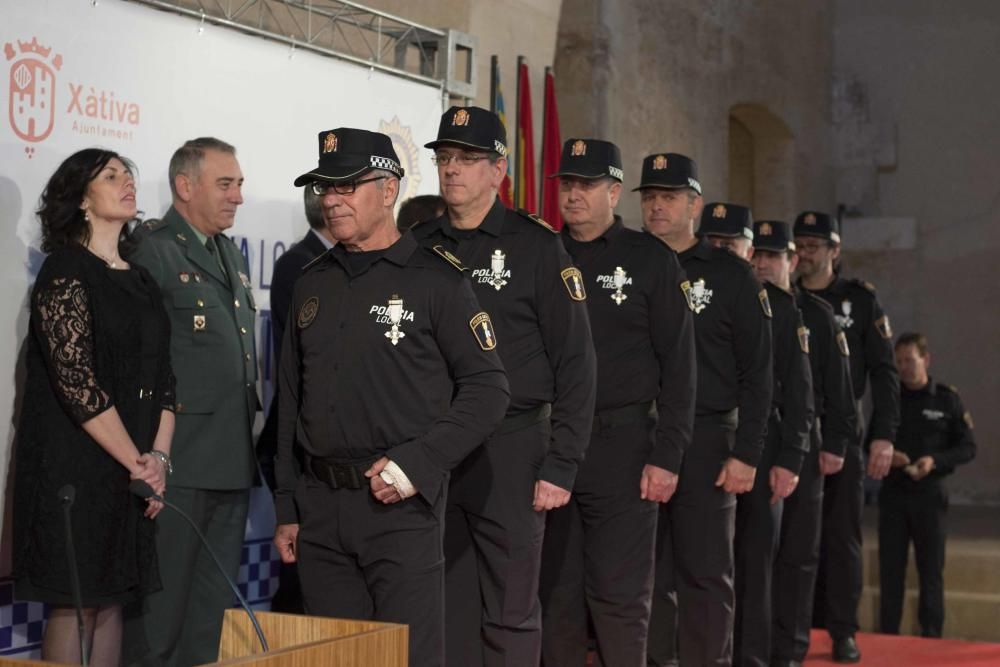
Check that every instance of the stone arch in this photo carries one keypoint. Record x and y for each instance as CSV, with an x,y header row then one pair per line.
x,y
761,162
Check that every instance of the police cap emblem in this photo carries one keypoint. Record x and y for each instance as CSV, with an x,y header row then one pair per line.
x,y
330,143
308,311
719,211
579,148
660,162
482,329
461,117
810,219
764,229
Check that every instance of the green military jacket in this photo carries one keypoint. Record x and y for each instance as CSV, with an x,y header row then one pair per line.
x,y
212,351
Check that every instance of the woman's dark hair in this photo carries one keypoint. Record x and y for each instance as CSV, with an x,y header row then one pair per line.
x,y
59,207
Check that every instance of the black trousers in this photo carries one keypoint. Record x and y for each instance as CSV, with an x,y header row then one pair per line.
x,y
838,585
692,615
361,559
493,546
598,556
797,562
757,527
917,514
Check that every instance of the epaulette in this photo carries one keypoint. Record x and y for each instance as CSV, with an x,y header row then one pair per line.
x,y
151,225
863,284
446,255
948,387
316,260
534,218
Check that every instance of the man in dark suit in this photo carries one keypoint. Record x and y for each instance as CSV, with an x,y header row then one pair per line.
x,y
206,290
288,268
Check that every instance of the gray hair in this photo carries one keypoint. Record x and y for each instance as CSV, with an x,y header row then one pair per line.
x,y
314,208
187,159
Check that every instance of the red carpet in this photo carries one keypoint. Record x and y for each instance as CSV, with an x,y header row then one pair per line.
x,y
888,651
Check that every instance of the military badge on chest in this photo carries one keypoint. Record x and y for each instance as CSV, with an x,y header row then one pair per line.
x,y
617,281
845,320
394,315
697,294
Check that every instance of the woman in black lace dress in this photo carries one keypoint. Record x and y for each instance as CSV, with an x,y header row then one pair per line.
x,y
97,411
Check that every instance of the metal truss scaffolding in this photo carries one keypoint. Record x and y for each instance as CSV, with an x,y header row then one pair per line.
x,y
348,31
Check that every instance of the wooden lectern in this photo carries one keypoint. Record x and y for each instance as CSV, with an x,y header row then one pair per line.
x,y
299,641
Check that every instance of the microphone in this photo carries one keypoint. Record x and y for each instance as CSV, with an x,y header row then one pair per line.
x,y
144,490
67,496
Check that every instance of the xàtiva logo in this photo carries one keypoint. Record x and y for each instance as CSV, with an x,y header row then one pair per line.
x,y
32,90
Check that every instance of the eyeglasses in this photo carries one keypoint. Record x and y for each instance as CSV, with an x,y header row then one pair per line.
x,y
464,159
320,188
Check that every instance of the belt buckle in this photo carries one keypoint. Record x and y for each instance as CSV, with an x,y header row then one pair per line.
x,y
342,477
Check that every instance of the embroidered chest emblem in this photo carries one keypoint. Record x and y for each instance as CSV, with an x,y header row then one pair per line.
x,y
933,415
697,294
393,314
845,321
617,281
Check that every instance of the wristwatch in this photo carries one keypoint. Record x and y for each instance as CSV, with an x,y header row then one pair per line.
x,y
165,459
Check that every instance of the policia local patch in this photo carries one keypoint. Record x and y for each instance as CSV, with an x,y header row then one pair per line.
x,y
573,280
482,329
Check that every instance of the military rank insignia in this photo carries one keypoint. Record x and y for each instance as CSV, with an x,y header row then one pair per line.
x,y
573,280
765,303
697,294
804,339
883,327
199,323
245,279
308,311
842,345
184,277
482,329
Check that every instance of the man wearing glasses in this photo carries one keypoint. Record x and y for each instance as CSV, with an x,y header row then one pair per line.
x,y
389,378
869,339
499,496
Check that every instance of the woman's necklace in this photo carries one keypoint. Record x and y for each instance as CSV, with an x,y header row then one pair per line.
x,y
112,262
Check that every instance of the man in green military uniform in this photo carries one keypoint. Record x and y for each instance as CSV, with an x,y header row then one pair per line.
x,y
202,276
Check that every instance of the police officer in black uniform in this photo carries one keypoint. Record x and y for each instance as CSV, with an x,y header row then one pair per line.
x,y
797,557
869,338
498,497
935,436
758,513
389,378
598,553
694,568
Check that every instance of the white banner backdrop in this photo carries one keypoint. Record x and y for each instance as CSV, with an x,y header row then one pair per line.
x,y
141,81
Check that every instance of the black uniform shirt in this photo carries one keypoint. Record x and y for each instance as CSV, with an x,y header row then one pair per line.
x,y
524,279
733,340
934,423
829,356
869,336
793,393
643,334
348,392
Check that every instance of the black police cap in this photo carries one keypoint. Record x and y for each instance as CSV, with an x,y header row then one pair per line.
x,y
820,225
670,171
730,220
347,153
590,158
471,127
773,235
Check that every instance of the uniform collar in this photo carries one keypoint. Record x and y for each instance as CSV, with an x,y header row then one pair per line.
x,y
492,224
177,220
930,388
608,237
700,250
398,253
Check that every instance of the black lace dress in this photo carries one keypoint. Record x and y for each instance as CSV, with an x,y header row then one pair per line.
x,y
98,338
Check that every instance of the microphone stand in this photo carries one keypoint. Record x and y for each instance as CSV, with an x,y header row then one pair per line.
x,y
67,495
144,490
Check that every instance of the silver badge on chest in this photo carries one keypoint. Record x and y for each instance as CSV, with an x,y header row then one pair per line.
x,y
394,312
697,294
497,267
618,280
845,321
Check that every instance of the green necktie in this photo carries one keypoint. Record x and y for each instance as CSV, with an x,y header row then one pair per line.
x,y
214,252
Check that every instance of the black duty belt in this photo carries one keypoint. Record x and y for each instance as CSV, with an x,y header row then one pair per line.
x,y
337,474
606,419
729,419
524,419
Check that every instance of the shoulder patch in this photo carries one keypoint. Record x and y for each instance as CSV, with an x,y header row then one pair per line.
x,y
535,219
967,418
765,303
845,349
864,284
482,329
573,280
308,311
447,256
803,333
883,327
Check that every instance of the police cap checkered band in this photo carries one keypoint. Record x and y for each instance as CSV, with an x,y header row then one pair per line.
x,y
388,164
